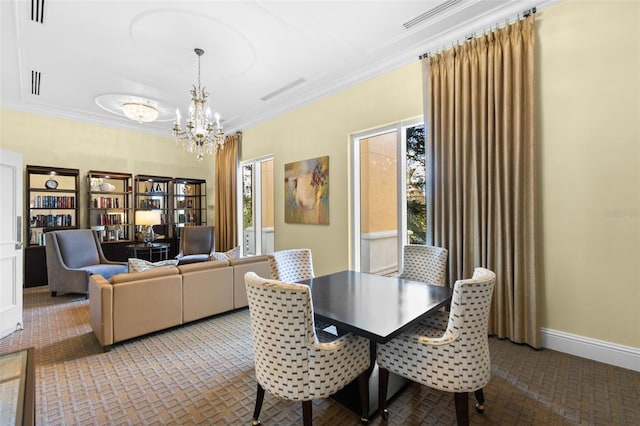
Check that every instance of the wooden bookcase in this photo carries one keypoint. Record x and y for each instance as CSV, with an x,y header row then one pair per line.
x,y
189,203
51,204
109,210
153,194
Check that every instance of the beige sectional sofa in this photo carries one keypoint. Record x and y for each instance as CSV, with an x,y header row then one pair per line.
x,y
137,303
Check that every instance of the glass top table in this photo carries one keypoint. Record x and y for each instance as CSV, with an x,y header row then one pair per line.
x,y
17,387
149,251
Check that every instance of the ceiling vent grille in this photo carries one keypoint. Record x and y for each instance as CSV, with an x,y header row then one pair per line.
x,y
283,89
37,11
35,83
430,13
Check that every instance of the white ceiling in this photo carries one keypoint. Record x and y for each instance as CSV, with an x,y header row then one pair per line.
x,y
88,49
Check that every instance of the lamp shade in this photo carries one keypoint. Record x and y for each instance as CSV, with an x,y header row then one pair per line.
x,y
147,217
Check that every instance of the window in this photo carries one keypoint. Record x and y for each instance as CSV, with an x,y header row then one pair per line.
x,y
389,205
257,206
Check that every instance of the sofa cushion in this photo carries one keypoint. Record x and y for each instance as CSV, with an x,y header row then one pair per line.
x,y
105,269
149,273
202,266
139,265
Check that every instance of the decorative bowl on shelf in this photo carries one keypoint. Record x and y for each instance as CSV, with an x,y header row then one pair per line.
x,y
107,187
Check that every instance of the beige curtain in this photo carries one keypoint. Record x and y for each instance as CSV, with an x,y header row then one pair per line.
x,y
226,194
479,106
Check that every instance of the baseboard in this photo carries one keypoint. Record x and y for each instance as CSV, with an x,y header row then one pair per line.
x,y
596,350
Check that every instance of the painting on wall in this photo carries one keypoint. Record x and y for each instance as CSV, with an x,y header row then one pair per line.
x,y
306,191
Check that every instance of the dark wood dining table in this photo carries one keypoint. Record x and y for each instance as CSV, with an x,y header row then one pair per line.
x,y
376,307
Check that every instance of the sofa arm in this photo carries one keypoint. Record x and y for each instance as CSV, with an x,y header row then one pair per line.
x,y
101,309
258,264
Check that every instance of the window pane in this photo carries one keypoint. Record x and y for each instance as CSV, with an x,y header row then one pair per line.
x,y
379,204
267,210
416,202
248,232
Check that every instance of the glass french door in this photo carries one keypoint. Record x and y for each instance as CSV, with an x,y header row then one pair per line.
x,y
257,208
388,203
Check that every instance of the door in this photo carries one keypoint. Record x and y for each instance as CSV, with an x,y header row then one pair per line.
x,y
10,242
389,205
257,206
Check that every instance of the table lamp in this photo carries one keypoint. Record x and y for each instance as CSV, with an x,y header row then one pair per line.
x,y
146,219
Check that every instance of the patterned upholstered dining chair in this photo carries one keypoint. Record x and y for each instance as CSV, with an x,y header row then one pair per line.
x,y
291,265
448,351
424,263
290,361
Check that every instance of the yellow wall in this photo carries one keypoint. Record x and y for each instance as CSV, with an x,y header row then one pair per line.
x,y
323,128
47,141
589,129
588,132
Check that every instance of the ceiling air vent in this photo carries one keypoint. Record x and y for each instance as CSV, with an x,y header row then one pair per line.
x,y
283,89
430,13
35,83
37,11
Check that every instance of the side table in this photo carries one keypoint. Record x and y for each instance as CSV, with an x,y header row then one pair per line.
x,y
150,252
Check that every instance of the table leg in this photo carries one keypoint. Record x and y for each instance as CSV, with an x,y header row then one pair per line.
x,y
349,396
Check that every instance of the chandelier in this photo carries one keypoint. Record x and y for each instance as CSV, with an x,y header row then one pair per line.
x,y
200,135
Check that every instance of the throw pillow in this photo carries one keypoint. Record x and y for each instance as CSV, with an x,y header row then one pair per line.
x,y
230,254
139,265
233,253
218,256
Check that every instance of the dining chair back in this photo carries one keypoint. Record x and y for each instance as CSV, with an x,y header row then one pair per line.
x,y
455,359
290,361
424,263
291,265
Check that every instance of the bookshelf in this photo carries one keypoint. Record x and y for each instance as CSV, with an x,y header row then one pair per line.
x,y
52,201
152,195
189,203
51,204
109,205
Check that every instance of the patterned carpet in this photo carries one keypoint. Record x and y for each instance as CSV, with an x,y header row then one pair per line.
x,y
202,374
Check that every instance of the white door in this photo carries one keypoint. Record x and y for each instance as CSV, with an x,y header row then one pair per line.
x,y
10,242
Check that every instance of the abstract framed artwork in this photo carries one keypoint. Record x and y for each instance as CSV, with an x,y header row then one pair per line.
x,y
306,191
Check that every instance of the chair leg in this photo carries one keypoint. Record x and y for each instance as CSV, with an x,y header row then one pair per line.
x,y
307,413
479,401
462,408
363,385
256,411
383,382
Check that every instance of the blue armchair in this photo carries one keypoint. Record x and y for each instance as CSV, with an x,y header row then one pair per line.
x,y
74,255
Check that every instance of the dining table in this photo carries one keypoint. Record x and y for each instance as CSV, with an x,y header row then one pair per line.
x,y
376,307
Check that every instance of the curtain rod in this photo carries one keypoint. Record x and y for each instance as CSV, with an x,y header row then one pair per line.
x,y
471,36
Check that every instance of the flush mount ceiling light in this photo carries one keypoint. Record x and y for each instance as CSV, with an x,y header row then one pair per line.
x,y
199,134
140,112
142,109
